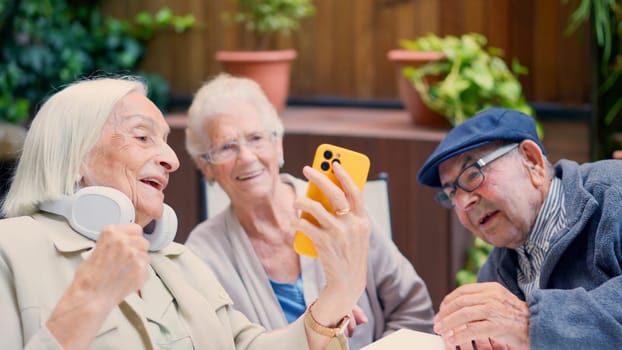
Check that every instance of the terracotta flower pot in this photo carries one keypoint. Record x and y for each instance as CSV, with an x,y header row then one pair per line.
x,y
270,69
419,111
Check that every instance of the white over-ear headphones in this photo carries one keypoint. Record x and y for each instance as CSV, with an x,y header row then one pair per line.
x,y
91,208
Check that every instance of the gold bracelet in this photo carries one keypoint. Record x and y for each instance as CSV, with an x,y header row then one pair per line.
x,y
330,332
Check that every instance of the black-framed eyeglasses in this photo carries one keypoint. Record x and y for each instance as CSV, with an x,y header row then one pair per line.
x,y
256,141
472,177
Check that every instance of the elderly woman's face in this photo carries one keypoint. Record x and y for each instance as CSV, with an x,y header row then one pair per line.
x,y
132,156
503,208
254,171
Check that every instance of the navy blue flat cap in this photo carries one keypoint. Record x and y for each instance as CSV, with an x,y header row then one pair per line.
x,y
490,125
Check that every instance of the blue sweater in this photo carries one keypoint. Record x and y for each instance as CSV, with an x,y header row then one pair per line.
x,y
579,303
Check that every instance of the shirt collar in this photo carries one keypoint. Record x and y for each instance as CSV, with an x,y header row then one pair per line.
x,y
549,221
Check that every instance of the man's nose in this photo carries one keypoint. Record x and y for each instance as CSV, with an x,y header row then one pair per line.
x,y
463,200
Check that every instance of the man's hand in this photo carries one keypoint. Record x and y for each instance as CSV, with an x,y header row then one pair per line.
x,y
483,316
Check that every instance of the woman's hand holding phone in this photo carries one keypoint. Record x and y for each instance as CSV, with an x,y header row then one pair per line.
x,y
341,241
355,164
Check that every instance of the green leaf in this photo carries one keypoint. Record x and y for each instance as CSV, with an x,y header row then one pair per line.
x,y
480,75
471,78
144,18
509,90
465,277
270,17
61,40
164,16
518,68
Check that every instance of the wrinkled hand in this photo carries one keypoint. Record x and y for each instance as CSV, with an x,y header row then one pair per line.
x,y
485,314
342,241
117,266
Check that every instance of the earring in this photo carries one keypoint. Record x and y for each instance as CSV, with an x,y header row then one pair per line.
x,y
281,163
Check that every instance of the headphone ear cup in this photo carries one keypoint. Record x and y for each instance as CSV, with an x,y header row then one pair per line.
x,y
91,208
164,231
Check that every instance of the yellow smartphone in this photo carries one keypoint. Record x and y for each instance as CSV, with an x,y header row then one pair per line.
x,y
356,165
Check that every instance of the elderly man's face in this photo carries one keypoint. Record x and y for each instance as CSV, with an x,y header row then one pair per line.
x,y
504,207
132,156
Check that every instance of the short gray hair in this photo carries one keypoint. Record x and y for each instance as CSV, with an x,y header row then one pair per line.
x,y
218,96
62,134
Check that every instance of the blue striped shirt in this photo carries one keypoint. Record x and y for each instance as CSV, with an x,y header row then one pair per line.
x,y
550,220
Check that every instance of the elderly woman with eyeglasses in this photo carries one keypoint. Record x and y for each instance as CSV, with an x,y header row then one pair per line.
x,y
235,137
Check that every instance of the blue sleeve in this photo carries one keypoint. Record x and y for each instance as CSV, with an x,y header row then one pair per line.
x,y
577,318
590,316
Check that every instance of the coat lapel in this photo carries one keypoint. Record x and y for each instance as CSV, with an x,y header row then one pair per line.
x,y
205,328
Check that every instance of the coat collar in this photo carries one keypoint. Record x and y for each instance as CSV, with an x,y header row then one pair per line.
x,y
67,240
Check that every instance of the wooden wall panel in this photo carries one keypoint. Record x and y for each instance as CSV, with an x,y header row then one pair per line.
x,y
520,44
496,23
573,69
362,62
545,67
342,49
387,24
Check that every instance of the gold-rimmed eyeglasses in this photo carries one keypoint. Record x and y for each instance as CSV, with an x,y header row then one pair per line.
x,y
472,177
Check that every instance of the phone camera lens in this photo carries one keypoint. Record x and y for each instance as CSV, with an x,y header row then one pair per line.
x,y
328,154
337,161
325,166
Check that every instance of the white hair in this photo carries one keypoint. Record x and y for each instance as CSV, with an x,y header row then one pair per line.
x,y
218,96
62,134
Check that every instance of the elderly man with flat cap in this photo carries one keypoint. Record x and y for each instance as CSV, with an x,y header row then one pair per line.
x,y
554,278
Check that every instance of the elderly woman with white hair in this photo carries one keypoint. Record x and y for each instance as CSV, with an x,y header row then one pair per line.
x,y
235,137
86,252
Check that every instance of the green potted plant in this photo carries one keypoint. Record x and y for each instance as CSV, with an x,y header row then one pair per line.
x,y
46,44
420,113
462,76
264,21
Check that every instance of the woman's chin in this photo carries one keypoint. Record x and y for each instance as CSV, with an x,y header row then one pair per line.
x,y
143,218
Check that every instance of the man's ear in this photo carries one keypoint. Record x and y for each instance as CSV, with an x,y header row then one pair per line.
x,y
535,162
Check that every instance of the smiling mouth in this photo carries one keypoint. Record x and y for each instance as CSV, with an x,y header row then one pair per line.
x,y
249,175
153,184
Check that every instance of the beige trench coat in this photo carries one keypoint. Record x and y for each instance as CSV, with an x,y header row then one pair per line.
x,y
38,259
